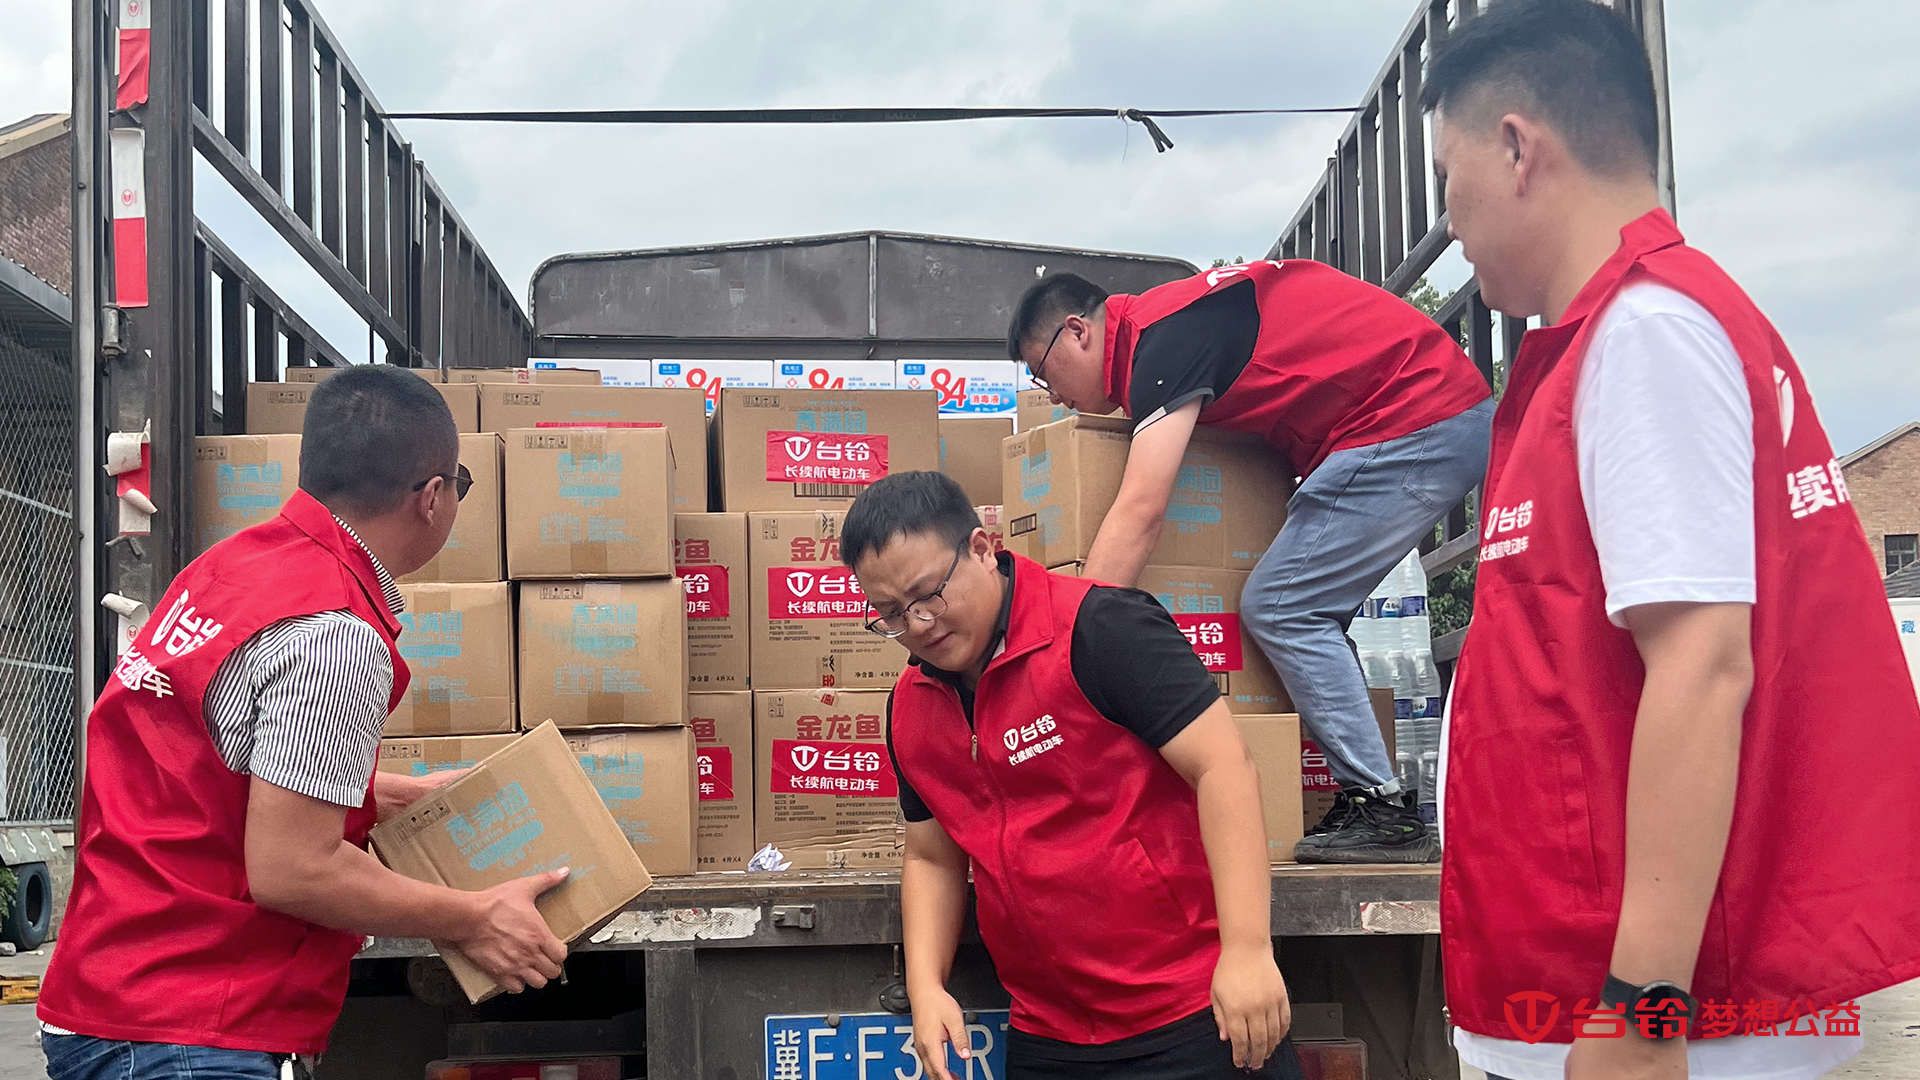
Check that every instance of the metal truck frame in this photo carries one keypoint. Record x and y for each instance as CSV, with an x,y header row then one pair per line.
x,y
298,133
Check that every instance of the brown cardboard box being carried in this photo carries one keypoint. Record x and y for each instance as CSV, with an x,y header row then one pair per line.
x,y
683,412
525,810
723,744
819,449
322,374
970,454
1317,785
1205,603
807,609
710,557
589,502
281,408
1033,408
1274,742
475,550
1228,502
240,481
425,756
603,653
458,642
825,795
645,777
526,376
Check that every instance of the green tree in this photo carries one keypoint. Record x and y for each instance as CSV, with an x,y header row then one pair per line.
x,y
1235,261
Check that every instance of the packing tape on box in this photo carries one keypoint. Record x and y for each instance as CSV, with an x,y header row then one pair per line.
x,y
429,717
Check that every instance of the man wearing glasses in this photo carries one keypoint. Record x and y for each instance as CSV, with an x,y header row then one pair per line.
x,y
1370,403
222,883
1060,739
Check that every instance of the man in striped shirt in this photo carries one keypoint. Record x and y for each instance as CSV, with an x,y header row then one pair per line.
x,y
222,883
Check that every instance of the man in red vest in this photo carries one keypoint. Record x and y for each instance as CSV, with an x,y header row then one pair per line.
x,y
1364,397
1060,738
223,884
1674,783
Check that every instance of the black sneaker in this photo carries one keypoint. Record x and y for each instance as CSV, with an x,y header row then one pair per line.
x,y
1373,829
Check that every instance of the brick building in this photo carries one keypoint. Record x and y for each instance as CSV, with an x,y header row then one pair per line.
x,y
1884,480
36,193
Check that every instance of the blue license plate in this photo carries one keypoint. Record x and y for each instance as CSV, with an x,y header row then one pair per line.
x,y
875,1046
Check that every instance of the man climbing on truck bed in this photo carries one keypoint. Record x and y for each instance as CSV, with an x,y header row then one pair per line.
x,y
1366,399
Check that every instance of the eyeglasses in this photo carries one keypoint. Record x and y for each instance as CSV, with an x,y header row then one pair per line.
x,y
462,481
1033,373
926,609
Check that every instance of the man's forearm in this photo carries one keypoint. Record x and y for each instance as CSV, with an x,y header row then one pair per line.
x,y
351,890
1234,833
1124,543
933,907
1682,776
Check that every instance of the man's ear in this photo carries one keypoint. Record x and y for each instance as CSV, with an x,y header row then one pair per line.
x,y
1522,141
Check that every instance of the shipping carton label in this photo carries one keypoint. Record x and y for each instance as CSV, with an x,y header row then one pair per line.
x,y
826,457
429,639
826,593
1315,773
249,487
707,592
716,772
966,388
1215,637
848,769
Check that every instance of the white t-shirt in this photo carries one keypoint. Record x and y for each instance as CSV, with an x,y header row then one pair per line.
x,y
1663,430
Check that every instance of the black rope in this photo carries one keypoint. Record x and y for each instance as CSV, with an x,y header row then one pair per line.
x,y
1143,117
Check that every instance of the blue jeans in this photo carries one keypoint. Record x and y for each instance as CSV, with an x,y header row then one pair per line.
x,y
83,1057
1349,523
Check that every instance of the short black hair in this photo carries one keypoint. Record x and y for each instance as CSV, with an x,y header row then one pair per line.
x,y
1576,63
372,432
906,504
1048,301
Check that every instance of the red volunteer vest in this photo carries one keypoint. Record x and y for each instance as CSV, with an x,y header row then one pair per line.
x,y
162,941
1339,363
1816,898
1094,896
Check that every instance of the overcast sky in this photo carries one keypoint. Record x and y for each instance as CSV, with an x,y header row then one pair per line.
x,y
1796,132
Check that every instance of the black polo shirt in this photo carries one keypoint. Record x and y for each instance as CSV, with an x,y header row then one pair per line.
x,y
1129,658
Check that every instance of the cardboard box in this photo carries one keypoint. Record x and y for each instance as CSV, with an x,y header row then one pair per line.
x,y
819,449
824,791
589,502
425,756
281,408
612,372
833,374
723,747
645,777
1273,742
712,376
966,387
1036,407
526,809
505,406
322,374
463,401
1317,785
1061,479
476,549
458,642
970,454
808,627
1205,602
710,558
240,481
993,519
537,375
603,653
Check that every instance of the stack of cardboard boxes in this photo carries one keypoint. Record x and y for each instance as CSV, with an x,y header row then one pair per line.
x,y
666,587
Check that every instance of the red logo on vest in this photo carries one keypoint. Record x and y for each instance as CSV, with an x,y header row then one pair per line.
x,y
1535,1028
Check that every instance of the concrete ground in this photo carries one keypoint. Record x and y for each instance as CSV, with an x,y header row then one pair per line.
x,y
1890,1020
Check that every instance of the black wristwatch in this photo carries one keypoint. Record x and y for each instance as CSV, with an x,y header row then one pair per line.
x,y
1657,1011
